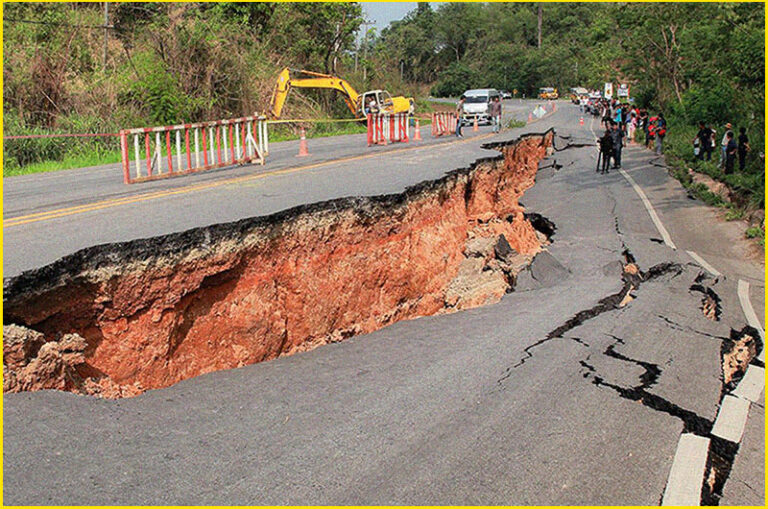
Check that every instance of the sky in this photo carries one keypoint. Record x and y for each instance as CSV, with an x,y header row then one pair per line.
x,y
385,12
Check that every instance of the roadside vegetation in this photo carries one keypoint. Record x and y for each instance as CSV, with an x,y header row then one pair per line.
x,y
173,62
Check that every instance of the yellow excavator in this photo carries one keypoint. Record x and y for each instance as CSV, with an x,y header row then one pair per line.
x,y
359,104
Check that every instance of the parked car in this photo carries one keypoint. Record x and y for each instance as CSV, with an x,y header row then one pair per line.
x,y
548,93
477,105
506,94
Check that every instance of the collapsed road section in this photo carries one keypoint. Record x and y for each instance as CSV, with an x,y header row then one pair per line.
x,y
118,319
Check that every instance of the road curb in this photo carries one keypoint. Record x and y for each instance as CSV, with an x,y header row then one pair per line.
x,y
731,419
688,467
751,386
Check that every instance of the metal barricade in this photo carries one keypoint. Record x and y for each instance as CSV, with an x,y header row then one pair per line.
x,y
388,128
443,123
198,147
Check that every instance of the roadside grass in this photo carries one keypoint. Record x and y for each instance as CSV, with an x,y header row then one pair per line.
x,y
68,162
320,129
756,232
514,122
747,187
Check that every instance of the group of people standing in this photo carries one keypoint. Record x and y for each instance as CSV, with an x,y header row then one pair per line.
x,y
621,122
629,119
706,140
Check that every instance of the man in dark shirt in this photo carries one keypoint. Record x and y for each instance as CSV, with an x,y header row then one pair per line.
x,y
617,137
704,137
743,147
730,152
606,150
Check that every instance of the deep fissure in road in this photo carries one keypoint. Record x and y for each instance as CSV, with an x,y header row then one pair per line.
x,y
737,352
119,319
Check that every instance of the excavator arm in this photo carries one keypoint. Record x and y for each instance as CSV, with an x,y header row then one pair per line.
x,y
287,79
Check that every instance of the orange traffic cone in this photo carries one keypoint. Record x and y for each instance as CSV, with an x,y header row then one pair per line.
x,y
475,127
530,118
581,120
303,151
417,132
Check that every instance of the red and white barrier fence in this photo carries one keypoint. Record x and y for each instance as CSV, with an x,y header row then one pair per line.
x,y
388,128
199,147
443,123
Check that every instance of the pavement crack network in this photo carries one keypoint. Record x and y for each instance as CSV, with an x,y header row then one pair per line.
x,y
632,278
722,453
652,371
686,328
693,423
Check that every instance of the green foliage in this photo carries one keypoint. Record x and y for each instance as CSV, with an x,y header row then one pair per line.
x,y
315,34
455,80
513,123
710,104
20,153
167,63
320,129
157,91
756,232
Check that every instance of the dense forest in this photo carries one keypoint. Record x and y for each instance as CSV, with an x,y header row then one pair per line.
x,y
161,63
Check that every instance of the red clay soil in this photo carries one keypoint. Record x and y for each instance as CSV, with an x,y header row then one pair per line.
x,y
156,311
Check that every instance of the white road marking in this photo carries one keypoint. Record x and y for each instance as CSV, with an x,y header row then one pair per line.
x,y
749,313
651,212
701,261
685,477
731,418
751,386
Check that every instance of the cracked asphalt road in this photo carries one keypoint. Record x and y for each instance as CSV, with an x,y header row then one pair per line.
x,y
437,410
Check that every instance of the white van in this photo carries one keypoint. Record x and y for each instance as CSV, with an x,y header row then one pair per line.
x,y
478,105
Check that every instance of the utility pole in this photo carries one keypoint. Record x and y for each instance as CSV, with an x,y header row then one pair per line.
x,y
106,32
540,15
365,46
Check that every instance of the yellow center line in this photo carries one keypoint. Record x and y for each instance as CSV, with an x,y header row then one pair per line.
x,y
68,211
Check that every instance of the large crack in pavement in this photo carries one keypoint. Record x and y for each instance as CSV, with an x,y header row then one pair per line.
x,y
692,422
151,312
631,277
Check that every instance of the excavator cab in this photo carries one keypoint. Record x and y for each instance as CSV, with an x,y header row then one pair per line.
x,y
382,100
